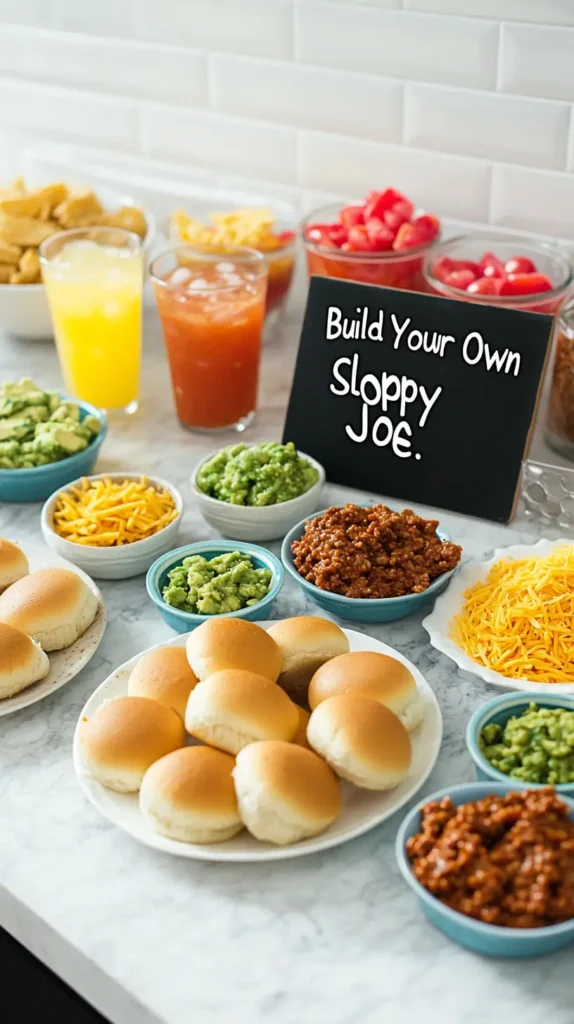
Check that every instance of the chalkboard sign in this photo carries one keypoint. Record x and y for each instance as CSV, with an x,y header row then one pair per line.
x,y
425,399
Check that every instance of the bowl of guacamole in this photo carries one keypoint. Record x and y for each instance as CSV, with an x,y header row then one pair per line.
x,y
46,440
526,737
195,582
258,491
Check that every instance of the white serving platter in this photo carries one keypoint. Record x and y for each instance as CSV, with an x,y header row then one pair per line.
x,y
451,602
64,665
362,809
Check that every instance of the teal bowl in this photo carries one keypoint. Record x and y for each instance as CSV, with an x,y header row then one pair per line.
x,y
498,711
488,939
183,622
360,609
39,483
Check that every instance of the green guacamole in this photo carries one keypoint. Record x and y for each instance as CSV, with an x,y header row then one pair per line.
x,y
225,583
262,474
37,427
536,746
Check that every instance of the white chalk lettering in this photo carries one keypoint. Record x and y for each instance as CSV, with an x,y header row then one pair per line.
x,y
428,402
359,438
334,317
473,336
344,360
402,442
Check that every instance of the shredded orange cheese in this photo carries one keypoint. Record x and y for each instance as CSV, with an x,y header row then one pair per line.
x,y
247,226
110,513
520,620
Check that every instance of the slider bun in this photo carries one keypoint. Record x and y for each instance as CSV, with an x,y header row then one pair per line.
x,y
13,563
189,795
300,736
306,642
285,793
362,740
370,674
233,708
124,737
232,643
22,661
54,606
164,675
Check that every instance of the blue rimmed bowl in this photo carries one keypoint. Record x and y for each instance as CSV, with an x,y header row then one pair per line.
x,y
183,622
39,483
360,609
498,711
488,939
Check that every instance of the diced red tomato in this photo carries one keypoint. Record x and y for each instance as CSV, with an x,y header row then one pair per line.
x,y
351,216
427,227
488,259
337,234
459,279
494,271
484,286
379,234
317,232
377,203
359,240
445,265
398,214
520,265
286,236
525,284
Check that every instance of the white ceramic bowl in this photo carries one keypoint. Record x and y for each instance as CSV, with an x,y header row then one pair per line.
x,y
248,522
114,563
24,309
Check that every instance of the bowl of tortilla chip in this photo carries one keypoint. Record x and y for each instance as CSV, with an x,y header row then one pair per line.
x,y
30,214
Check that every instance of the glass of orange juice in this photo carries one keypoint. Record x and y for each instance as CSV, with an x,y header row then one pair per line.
x,y
211,303
94,282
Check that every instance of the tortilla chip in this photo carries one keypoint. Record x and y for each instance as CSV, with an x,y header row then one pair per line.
x,y
6,271
9,253
24,231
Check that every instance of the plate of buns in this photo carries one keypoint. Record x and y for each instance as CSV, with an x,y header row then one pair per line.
x,y
242,741
52,618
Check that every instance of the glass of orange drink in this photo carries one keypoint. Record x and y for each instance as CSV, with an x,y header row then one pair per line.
x,y
94,283
211,302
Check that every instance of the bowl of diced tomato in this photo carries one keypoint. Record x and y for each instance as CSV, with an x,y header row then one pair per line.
x,y
500,270
381,240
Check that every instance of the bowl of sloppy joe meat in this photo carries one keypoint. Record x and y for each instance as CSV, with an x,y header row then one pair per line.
x,y
493,867
370,563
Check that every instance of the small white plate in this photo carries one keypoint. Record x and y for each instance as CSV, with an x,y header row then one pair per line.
x,y
451,602
66,664
362,809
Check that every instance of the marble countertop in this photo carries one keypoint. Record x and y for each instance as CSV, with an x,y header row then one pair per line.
x,y
334,938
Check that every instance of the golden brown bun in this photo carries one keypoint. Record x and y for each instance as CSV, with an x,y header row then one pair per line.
x,y
300,736
370,674
232,643
189,795
362,740
22,661
54,606
233,708
124,737
285,793
164,675
306,642
13,563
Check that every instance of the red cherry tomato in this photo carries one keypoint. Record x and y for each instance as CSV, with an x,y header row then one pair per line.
x,y
459,279
445,265
520,265
493,271
488,259
484,286
525,284
377,202
379,234
350,216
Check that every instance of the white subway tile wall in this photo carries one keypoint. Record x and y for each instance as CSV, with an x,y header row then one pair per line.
x,y
465,104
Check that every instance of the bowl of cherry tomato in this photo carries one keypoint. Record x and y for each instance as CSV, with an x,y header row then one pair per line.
x,y
500,270
379,240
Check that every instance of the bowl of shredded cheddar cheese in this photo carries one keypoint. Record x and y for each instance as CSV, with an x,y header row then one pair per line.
x,y
510,620
113,525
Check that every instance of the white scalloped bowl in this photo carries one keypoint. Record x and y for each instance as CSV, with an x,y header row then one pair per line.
x,y
450,603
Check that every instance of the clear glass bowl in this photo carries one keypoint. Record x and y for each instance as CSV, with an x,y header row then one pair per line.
x,y
393,269
549,260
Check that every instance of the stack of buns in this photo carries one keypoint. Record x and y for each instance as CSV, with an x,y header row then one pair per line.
x,y
41,611
253,757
